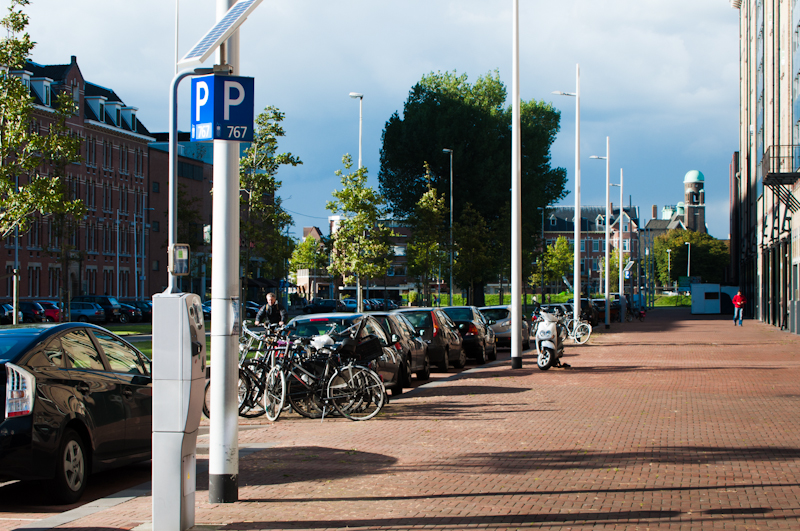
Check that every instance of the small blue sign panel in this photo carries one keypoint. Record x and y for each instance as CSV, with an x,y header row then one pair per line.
x,y
223,108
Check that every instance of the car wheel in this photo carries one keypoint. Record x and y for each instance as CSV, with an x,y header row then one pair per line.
x,y
425,373
50,320
480,359
404,379
527,343
71,469
445,363
462,359
123,318
493,353
82,318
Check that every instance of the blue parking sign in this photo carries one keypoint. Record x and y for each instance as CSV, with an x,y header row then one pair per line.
x,y
222,108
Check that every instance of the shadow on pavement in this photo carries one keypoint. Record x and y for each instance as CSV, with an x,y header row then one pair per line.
x,y
280,466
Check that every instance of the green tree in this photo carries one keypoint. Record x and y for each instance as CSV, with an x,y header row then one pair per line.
x,y
613,268
444,110
264,221
309,254
558,260
37,160
361,246
473,261
710,256
426,250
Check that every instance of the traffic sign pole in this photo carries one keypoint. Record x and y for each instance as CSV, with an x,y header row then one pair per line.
x,y
223,458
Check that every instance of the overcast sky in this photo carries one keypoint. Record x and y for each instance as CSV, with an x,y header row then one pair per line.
x,y
659,78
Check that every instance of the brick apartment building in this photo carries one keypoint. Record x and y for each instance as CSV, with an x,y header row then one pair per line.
x,y
112,181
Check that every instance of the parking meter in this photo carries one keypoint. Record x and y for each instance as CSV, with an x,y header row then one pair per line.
x,y
179,372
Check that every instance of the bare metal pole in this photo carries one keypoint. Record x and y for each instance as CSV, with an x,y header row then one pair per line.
x,y
516,200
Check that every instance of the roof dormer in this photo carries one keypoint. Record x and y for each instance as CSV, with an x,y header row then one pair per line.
x,y
41,85
129,115
98,106
114,109
25,75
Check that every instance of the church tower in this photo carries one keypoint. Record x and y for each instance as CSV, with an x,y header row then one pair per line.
x,y
695,201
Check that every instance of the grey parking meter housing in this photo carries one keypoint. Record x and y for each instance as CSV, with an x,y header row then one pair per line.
x,y
179,376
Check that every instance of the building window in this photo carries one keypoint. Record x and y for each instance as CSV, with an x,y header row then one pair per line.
x,y
626,245
155,187
583,246
595,245
155,265
154,225
34,273
552,221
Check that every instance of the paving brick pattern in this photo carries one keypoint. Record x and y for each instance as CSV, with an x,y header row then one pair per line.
x,y
679,422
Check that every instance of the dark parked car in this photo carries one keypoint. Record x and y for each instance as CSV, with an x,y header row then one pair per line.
x,y
90,312
500,320
146,307
478,336
440,333
129,314
109,304
77,399
32,312
7,314
318,305
387,366
412,349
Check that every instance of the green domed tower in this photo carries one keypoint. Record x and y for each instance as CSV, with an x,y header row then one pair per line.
x,y
695,201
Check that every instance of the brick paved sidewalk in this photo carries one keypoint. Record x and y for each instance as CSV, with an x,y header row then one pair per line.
x,y
679,422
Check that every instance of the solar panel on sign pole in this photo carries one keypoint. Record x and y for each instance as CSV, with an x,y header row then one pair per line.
x,y
218,34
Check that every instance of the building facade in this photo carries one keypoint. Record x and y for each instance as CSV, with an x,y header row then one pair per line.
x,y
559,222
105,253
765,230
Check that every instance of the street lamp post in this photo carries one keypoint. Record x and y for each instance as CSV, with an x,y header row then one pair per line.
x,y
622,307
544,249
669,266
608,232
450,151
689,261
577,221
360,98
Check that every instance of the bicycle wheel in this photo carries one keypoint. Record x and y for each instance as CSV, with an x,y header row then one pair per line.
x,y
357,393
274,393
248,385
582,333
303,399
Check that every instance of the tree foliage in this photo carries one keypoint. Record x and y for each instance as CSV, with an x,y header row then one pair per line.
x,y
558,261
444,110
309,254
37,160
710,256
428,247
361,245
473,260
264,220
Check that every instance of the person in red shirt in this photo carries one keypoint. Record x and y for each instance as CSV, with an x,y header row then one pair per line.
x,y
738,307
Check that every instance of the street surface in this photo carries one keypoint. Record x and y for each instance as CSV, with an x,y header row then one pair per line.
x,y
679,422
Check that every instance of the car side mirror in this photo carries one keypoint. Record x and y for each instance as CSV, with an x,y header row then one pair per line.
x,y
492,321
395,338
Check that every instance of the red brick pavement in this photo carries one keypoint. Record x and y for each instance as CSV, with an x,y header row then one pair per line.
x,y
679,422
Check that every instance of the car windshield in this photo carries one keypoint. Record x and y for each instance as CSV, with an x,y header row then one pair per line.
x,y
459,314
498,314
421,319
321,325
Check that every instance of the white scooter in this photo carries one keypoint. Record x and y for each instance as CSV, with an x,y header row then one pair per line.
x,y
550,336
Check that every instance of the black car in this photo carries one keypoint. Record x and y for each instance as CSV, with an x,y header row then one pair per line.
x,y
129,314
387,366
405,339
77,399
324,306
32,312
109,304
440,333
478,336
7,314
146,307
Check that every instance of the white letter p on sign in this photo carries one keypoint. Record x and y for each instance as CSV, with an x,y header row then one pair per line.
x,y
202,88
232,102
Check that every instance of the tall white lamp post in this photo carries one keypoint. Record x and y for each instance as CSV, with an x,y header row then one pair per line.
x,y
450,151
608,233
576,266
360,98
622,307
669,266
689,261
516,198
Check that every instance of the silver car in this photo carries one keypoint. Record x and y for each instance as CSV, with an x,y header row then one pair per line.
x,y
500,320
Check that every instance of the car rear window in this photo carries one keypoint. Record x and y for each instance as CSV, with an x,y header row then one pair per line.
x,y
459,314
320,325
498,314
10,347
421,319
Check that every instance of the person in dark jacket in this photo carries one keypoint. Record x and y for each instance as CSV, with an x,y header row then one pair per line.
x,y
272,312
